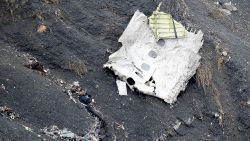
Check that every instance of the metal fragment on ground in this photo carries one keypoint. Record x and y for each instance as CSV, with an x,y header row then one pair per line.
x,y
122,88
158,69
8,112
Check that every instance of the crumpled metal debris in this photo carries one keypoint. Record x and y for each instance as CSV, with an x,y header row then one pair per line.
x,y
159,68
56,133
8,112
245,103
226,7
35,65
119,126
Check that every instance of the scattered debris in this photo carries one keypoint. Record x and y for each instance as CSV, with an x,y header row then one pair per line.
x,y
212,114
41,28
222,57
109,51
62,134
74,90
93,133
216,96
119,126
245,103
32,131
224,53
229,6
155,64
177,125
224,11
60,82
170,132
216,115
187,122
35,65
204,79
58,13
226,7
71,96
8,112
2,87
27,128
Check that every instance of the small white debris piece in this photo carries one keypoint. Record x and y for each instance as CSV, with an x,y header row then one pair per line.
x,y
216,3
12,115
119,126
189,121
177,125
2,87
70,96
46,70
122,88
27,128
229,6
76,83
2,109
160,68
224,53
61,81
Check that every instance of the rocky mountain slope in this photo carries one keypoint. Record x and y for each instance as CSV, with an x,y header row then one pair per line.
x,y
70,38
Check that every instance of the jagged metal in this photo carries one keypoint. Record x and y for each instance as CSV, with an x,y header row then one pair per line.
x,y
158,68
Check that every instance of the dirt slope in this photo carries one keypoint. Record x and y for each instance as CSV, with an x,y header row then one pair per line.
x,y
80,32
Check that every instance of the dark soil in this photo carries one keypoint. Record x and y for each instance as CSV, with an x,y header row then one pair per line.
x,y
82,31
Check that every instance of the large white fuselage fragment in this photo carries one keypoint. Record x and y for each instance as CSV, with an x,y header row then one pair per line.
x,y
158,68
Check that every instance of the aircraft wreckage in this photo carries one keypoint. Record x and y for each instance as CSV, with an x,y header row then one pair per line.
x,y
158,56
